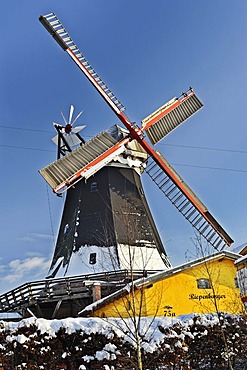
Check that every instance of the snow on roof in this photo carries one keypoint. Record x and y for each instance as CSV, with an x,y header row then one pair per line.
x,y
241,260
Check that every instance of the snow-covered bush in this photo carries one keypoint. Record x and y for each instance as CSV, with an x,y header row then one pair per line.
x,y
192,342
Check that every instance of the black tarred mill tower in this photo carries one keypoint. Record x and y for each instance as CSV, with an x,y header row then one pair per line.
x,y
106,223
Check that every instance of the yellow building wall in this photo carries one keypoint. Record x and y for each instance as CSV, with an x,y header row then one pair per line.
x,y
178,294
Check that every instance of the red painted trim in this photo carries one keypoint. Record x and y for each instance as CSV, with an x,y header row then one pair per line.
x,y
96,161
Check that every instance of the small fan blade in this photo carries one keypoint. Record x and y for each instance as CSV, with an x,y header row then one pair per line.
x,y
55,139
64,118
71,113
72,140
76,118
77,129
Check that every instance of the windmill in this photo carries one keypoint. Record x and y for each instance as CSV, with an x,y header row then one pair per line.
x,y
116,224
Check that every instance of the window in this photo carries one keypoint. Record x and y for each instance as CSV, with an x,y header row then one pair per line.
x,y
93,187
203,284
236,283
92,258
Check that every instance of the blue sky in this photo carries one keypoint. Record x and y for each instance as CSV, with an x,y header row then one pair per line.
x,y
147,52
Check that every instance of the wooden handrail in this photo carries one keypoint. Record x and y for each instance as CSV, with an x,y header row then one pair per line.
x,y
54,288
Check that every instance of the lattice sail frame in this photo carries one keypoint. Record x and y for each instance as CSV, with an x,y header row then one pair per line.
x,y
159,125
170,116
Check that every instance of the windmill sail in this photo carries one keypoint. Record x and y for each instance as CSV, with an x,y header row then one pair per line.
x,y
58,32
83,162
187,203
165,119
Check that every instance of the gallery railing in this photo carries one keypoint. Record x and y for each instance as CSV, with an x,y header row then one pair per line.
x,y
55,289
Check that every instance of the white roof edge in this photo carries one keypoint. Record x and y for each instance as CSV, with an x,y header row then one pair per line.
x,y
241,260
